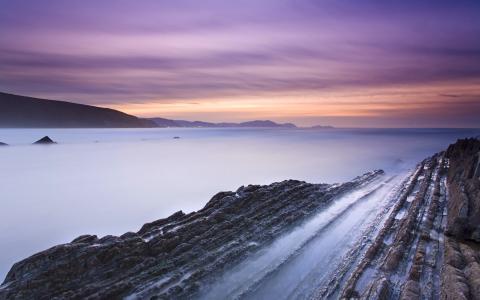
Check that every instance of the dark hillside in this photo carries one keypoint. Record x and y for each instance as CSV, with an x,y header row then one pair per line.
x,y
26,112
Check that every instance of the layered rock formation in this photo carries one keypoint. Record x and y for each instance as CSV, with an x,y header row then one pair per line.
x,y
173,257
461,273
397,262
463,179
428,248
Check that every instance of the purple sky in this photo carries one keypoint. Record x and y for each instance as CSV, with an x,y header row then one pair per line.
x,y
345,63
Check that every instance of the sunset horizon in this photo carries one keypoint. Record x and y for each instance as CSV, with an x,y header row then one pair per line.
x,y
249,150
369,64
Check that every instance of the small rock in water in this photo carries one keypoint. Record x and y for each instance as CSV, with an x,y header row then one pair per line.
x,y
45,141
3,144
176,137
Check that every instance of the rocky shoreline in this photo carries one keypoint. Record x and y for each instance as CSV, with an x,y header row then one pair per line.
x,y
427,246
173,257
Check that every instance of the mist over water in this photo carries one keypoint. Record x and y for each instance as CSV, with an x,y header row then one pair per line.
x,y
295,264
110,181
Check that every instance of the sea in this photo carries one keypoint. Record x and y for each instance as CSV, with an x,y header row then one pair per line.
x,y
111,181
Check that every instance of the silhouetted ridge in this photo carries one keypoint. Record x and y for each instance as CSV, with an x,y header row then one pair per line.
x,y
27,112
162,122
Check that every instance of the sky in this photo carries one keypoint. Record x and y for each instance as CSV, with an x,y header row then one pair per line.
x,y
384,63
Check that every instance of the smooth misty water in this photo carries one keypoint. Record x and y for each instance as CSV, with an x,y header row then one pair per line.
x,y
109,181
306,258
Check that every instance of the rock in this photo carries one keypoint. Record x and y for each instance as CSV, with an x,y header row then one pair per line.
x,y
379,290
463,221
176,137
393,258
454,284
426,258
3,144
85,239
180,253
411,290
453,255
44,141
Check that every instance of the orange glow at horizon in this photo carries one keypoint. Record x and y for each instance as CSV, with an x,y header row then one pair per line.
x,y
367,102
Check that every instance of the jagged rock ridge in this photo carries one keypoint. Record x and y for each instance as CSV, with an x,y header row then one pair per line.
x,y
428,248
173,257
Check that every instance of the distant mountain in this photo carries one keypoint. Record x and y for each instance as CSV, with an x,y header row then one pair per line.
x,y
161,122
27,112
321,127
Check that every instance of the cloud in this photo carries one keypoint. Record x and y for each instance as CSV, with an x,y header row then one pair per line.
x,y
222,74
100,53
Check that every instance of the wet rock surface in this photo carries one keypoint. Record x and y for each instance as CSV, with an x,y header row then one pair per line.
x,y
463,177
172,258
432,251
461,274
